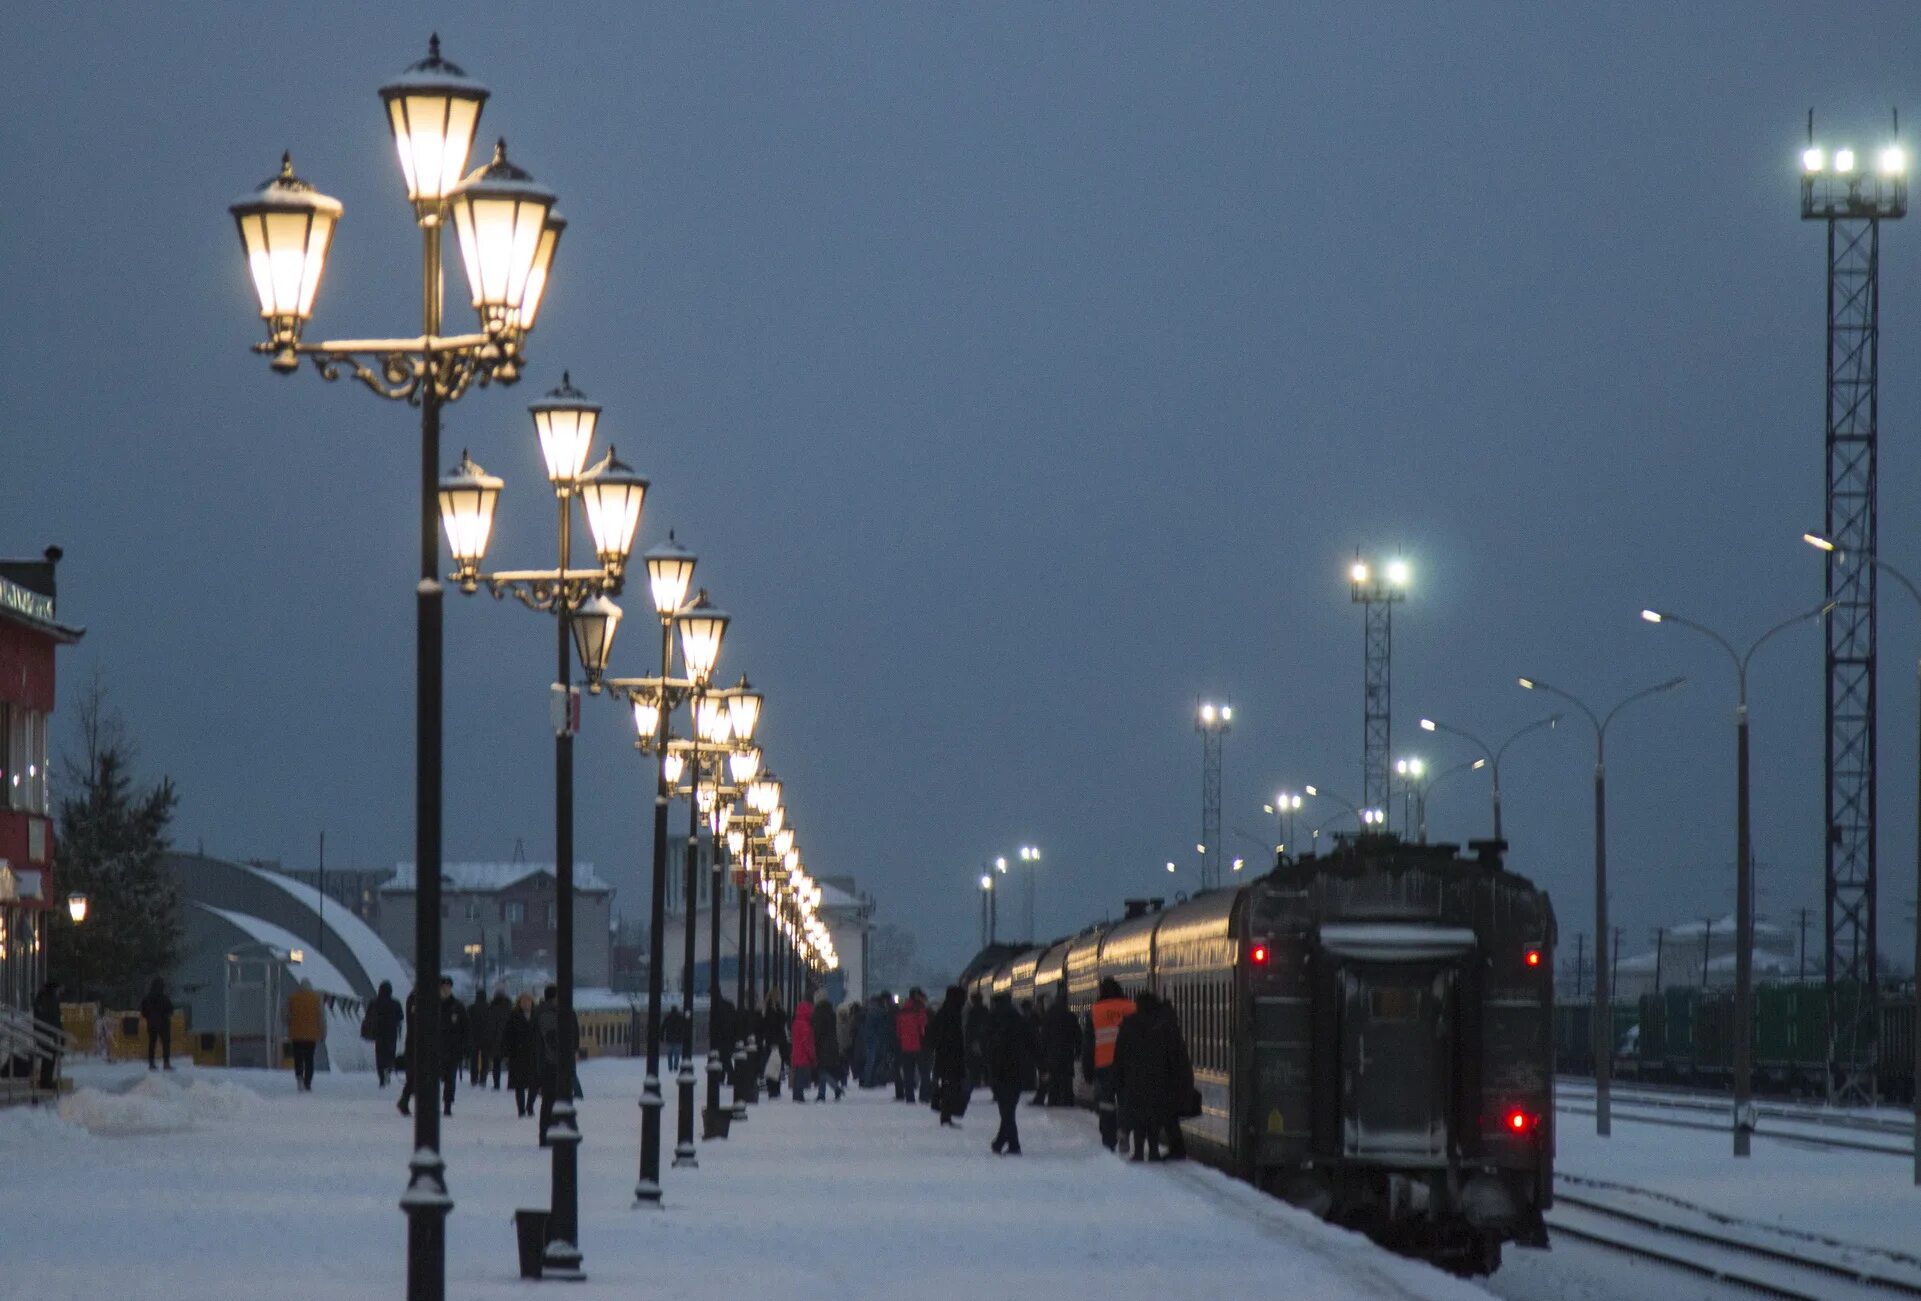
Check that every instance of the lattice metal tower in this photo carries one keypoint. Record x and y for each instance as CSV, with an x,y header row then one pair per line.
x,y
1213,722
1853,197
1376,590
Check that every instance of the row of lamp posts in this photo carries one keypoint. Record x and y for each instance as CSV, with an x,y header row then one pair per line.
x,y
508,231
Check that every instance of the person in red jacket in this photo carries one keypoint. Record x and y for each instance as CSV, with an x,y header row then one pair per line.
x,y
910,1026
802,1055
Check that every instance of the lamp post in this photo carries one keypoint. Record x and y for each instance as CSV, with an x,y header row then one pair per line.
x,y
1420,785
987,899
77,913
1286,804
1744,1117
1493,754
508,232
670,572
1030,855
1413,775
1823,544
701,629
611,496
1603,1029
1364,818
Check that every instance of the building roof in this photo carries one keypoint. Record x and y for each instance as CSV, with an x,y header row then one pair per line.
x,y
27,590
491,878
326,977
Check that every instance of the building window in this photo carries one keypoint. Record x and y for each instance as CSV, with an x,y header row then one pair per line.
x,y
515,911
553,915
473,910
23,760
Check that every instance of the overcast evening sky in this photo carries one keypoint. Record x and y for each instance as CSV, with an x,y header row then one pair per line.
x,y
1019,373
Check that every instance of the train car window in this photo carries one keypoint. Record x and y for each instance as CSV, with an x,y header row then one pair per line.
x,y
1394,1003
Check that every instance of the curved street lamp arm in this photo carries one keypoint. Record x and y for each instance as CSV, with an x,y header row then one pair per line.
x,y
1535,684
1662,616
1433,725
1898,577
1642,694
1330,795
1806,616
1552,720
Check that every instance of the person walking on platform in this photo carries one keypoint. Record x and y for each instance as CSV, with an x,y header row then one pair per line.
x,y
517,1046
384,1018
948,1033
46,1015
306,1031
1110,1009
975,1030
1060,1046
552,1040
827,1058
803,1059
498,1011
156,1009
1011,1053
773,1044
854,1043
673,1030
1180,1099
1153,1078
453,1045
480,1019
910,1026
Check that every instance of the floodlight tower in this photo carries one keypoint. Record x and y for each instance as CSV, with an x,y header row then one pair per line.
x,y
1375,589
1212,721
1853,199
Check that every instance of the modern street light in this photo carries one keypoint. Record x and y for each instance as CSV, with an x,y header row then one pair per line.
x,y
1603,1028
1493,754
1744,1115
1286,804
1413,774
1363,818
507,231
987,909
670,572
611,496
1823,544
1030,855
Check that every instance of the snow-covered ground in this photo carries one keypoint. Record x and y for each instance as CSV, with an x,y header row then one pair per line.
x,y
228,1184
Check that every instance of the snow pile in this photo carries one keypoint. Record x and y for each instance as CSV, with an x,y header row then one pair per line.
x,y
155,1105
31,1126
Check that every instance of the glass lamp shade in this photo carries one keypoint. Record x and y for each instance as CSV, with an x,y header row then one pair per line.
x,y
701,631
783,842
433,109
613,498
745,706
646,720
743,765
705,795
286,227
564,420
736,842
594,626
792,859
776,819
467,498
77,908
723,819
763,794
671,766
670,572
498,213
711,722
521,319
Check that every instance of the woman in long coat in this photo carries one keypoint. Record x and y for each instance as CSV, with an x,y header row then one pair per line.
x,y
949,1033
827,1055
802,1056
517,1046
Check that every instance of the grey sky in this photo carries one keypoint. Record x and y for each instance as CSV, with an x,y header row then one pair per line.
x,y
1018,372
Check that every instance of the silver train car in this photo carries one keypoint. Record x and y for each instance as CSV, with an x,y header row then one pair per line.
x,y
1370,1031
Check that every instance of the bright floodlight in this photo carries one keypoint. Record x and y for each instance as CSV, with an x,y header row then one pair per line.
x,y
987,881
1817,541
1893,160
1170,867
1427,725
1844,161
1358,573
1227,713
1199,848
1311,790
1652,616
1526,682
1238,864
1000,865
1207,713
1398,573
1478,764
1813,158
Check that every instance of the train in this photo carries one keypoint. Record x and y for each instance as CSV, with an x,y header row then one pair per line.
x,y
1684,1035
1371,1034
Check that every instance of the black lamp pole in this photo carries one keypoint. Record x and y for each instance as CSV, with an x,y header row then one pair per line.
x,y
684,1153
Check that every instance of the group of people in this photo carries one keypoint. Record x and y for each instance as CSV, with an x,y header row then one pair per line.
x,y
1143,1078
491,1037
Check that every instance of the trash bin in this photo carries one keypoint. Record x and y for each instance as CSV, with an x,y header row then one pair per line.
x,y
531,1229
716,1121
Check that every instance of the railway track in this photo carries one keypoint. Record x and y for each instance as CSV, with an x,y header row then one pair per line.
x,y
1581,1090
1631,1113
1792,1274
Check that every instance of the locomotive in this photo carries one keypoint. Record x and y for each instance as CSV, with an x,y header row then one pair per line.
x,y
1371,1034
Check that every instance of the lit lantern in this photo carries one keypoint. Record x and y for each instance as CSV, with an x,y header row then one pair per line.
x,y
498,213
670,572
646,719
468,495
286,227
433,109
76,908
701,631
565,421
744,703
521,319
613,499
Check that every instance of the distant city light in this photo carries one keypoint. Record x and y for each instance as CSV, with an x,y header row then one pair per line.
x,y
1813,159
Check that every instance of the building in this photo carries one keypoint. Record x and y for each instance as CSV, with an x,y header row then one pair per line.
x,y
507,910
30,632
849,917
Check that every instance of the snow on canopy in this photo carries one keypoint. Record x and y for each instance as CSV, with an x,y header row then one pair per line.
x,y
489,878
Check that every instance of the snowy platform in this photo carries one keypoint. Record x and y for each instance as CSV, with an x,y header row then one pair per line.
x,y
228,1184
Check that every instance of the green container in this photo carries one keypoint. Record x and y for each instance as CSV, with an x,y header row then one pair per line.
x,y
1776,1028
1653,1032
1680,1028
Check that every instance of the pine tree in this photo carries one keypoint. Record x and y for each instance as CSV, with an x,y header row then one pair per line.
x,y
110,841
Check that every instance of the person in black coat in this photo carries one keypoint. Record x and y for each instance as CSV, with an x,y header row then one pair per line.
x,y
1180,1099
553,1044
480,1033
1060,1045
517,1048
673,1033
975,1030
1012,1051
498,1011
773,1040
383,1018
453,1046
828,1065
46,1012
156,1009
948,1034
1153,1077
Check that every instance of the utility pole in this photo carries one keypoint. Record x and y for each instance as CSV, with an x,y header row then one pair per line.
x,y
1660,938
1852,202
1707,945
1213,722
1614,962
1376,593
1803,914
1580,961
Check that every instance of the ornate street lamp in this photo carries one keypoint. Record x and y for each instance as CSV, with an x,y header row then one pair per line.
x,y
502,222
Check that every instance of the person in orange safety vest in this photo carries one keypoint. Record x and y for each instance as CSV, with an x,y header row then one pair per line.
x,y
1109,1011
